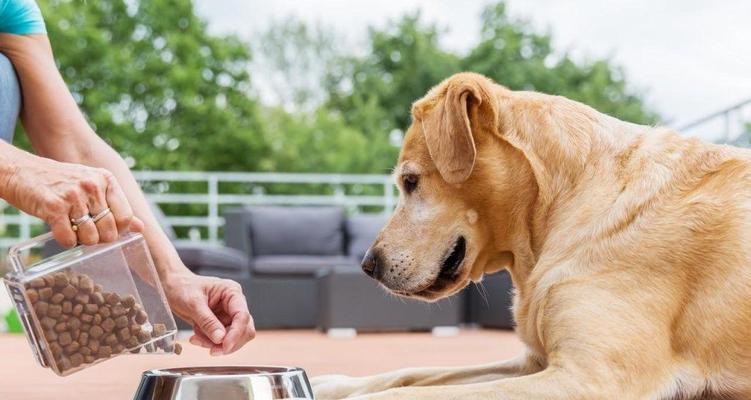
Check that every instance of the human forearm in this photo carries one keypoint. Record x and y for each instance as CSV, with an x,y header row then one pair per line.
x,y
99,154
49,111
58,130
68,190
11,158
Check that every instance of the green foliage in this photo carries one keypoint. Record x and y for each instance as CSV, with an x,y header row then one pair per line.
x,y
404,61
374,92
169,95
12,322
315,141
513,54
156,85
294,56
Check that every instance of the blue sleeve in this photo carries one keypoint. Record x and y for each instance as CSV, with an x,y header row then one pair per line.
x,y
21,17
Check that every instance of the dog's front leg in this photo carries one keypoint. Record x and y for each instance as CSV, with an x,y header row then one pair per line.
x,y
339,386
550,384
604,339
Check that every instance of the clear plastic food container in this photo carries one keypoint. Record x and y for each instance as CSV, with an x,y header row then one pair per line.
x,y
89,304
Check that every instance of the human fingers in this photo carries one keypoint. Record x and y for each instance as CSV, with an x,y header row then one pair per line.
x,y
62,230
81,222
96,193
199,339
118,204
242,328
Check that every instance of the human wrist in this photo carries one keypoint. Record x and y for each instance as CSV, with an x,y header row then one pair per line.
x,y
7,171
173,268
11,160
166,260
174,280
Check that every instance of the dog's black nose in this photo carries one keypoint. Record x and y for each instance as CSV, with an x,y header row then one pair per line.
x,y
370,263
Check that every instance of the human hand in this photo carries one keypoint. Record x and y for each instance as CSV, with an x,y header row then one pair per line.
x,y
59,193
216,308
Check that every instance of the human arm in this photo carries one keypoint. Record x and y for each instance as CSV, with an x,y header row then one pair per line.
x,y
58,131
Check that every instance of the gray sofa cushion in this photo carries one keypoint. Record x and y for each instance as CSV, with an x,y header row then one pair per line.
x,y
312,231
361,232
299,264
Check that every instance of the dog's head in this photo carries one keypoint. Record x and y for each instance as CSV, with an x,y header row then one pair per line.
x,y
457,180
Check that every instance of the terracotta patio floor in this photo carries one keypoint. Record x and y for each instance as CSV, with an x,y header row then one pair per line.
x,y
21,378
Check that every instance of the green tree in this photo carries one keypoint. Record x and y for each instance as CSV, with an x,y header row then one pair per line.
x,y
293,56
513,54
306,134
404,60
318,141
156,85
169,95
375,91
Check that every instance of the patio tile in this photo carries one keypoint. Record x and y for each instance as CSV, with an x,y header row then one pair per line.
x,y
314,351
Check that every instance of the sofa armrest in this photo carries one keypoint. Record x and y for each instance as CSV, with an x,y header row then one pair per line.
x,y
237,230
223,262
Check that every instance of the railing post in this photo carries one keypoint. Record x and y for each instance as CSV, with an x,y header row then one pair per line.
x,y
25,226
341,196
388,196
727,126
213,208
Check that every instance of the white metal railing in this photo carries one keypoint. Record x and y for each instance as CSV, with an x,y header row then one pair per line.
x,y
729,125
351,191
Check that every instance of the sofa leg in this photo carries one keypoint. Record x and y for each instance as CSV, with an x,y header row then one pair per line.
x,y
445,331
341,333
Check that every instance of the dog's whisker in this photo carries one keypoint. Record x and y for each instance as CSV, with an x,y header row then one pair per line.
x,y
483,293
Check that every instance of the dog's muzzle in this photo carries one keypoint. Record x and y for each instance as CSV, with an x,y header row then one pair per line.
x,y
454,259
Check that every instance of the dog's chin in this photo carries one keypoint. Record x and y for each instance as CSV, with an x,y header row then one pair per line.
x,y
450,277
437,290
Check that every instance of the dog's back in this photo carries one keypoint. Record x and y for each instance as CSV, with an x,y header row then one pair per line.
x,y
671,218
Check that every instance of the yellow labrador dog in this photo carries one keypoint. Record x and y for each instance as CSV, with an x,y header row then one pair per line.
x,y
629,248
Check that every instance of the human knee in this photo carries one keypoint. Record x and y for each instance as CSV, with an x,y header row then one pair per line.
x,y
8,79
10,98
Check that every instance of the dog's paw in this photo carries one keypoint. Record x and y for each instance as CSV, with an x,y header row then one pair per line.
x,y
335,387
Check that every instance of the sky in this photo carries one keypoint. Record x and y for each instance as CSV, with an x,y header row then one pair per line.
x,y
689,57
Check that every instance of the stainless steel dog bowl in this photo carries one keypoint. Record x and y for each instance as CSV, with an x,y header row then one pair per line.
x,y
224,383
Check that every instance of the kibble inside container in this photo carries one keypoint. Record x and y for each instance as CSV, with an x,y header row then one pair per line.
x,y
89,304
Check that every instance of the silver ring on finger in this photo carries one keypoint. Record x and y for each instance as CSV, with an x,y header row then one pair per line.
x,y
100,215
76,222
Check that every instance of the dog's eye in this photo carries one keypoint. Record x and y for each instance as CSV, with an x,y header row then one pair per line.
x,y
410,182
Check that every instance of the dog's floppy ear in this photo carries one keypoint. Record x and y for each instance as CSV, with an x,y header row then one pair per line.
x,y
448,129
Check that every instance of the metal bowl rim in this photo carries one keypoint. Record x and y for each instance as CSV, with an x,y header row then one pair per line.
x,y
243,370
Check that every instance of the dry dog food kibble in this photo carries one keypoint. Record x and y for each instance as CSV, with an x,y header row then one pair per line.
x,y
82,323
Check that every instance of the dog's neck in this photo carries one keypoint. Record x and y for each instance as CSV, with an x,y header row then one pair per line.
x,y
556,137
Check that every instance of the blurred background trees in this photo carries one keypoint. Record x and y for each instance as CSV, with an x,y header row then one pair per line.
x,y
167,94
156,85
